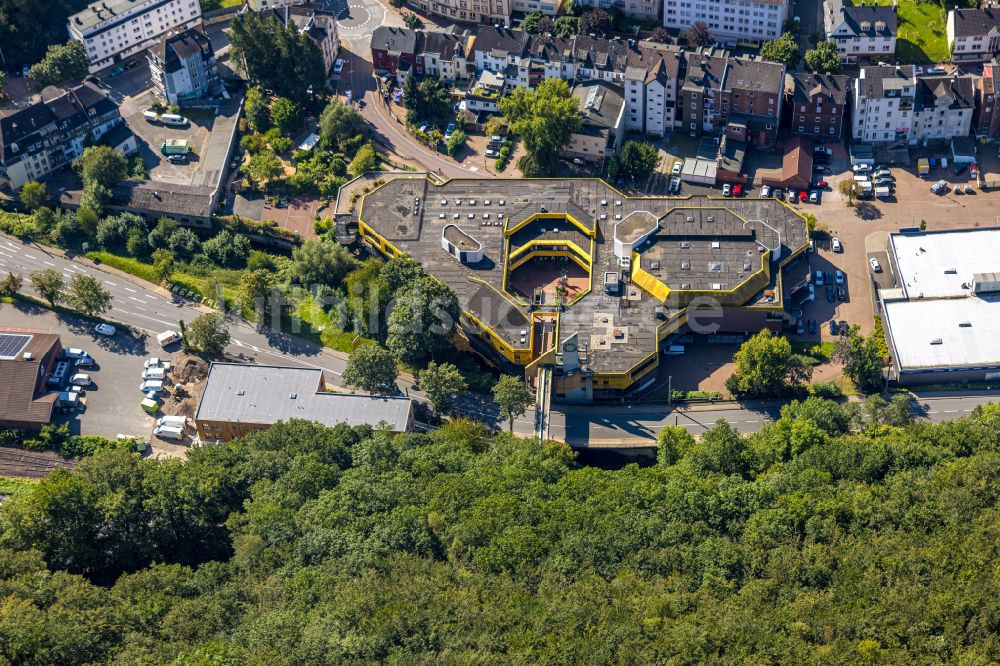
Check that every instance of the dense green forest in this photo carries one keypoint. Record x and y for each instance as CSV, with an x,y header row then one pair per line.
x,y
29,27
836,535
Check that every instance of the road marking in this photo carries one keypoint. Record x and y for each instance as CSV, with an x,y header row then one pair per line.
x,y
30,256
110,284
133,298
950,411
238,343
132,290
48,263
138,308
136,314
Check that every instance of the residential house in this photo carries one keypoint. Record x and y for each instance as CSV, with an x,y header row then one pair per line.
x,y
973,34
752,93
264,5
602,107
242,398
27,357
864,33
986,119
729,21
52,132
643,10
701,92
943,108
445,55
815,105
112,30
393,47
883,103
182,65
318,25
485,95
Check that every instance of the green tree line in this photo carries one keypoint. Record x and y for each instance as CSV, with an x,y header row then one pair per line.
x,y
836,535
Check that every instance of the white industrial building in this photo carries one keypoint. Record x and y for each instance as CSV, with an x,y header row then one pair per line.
x,y
942,320
112,30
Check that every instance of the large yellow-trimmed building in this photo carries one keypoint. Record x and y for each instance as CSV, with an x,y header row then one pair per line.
x,y
572,274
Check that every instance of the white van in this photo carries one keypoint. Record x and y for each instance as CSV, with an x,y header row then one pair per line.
x,y
153,373
172,422
882,192
151,385
151,116
168,338
861,178
173,119
866,186
167,432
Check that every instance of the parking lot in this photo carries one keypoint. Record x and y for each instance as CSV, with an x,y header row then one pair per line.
x,y
150,136
111,404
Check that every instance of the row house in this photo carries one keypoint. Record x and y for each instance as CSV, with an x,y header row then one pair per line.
x,y
719,90
815,105
973,34
52,132
445,55
602,126
112,30
883,102
863,33
729,21
943,107
491,12
643,10
986,118
395,49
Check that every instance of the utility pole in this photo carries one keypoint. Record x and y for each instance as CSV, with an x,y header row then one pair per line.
x,y
670,390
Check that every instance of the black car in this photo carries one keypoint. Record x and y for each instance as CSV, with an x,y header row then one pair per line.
x,y
841,293
812,327
831,293
819,168
833,327
843,328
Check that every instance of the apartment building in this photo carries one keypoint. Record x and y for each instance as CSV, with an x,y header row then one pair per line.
x,y
263,5
651,94
943,108
815,105
319,26
395,47
52,132
547,7
115,29
491,12
729,21
182,65
973,34
986,117
445,55
883,104
602,107
863,33
644,10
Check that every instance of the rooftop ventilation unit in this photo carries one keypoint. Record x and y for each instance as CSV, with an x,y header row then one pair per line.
x,y
685,245
937,341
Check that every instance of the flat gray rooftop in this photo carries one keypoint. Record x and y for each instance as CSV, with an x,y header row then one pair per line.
x,y
724,238
266,394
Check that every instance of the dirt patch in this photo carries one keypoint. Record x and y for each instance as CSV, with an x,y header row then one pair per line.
x,y
190,373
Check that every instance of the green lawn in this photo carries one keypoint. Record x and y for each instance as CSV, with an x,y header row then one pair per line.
x,y
14,486
921,37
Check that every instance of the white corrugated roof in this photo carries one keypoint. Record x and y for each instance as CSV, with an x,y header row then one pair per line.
x,y
937,264
967,328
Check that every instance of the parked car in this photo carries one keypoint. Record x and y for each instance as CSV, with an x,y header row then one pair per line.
x,y
812,327
800,327
958,189
831,293
877,267
727,190
765,191
73,352
737,190
779,195
105,329
449,131
153,386
492,152
833,327
676,170
338,65
822,150
675,186
818,279
81,379
819,182
843,328
152,362
838,277
168,338
861,168
177,159
939,187
841,294
819,168
969,190
793,196
814,197
803,196
85,362
836,245
936,69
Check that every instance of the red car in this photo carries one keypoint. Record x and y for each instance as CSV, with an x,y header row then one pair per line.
x,y
737,190
803,196
821,183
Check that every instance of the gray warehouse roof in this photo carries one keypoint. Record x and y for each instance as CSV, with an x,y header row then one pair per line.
x,y
266,394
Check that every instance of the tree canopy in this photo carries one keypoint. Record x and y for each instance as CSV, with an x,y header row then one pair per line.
x,y
277,57
698,35
596,22
635,161
830,536
62,62
784,49
766,367
824,59
371,368
545,119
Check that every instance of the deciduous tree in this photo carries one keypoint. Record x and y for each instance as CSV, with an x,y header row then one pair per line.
x,y
545,119
62,62
512,397
824,59
784,49
634,161
49,284
766,367
208,333
596,22
698,35
87,295
371,368
33,195
422,320
441,382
